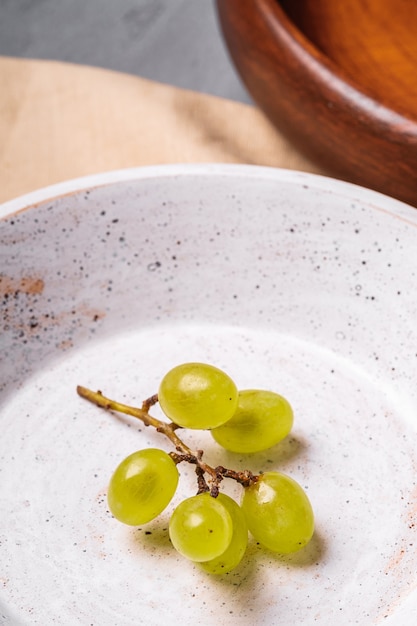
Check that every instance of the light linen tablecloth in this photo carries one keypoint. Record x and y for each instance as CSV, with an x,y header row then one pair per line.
x,y
60,121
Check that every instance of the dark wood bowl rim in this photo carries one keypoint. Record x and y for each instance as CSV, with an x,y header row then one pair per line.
x,y
327,74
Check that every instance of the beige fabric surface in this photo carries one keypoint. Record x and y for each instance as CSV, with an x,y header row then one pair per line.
x,y
60,121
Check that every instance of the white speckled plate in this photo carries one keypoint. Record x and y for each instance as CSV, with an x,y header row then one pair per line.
x,y
289,281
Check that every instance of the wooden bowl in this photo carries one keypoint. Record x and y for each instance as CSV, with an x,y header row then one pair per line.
x,y
338,78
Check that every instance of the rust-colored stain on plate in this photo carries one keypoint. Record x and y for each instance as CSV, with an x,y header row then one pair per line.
x,y
30,285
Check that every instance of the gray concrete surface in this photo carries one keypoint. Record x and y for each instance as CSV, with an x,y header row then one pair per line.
x,y
173,41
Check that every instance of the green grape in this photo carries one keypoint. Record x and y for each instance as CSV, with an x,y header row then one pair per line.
x,y
278,513
261,420
233,554
201,528
196,395
142,486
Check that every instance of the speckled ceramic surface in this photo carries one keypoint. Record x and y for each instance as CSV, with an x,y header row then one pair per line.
x,y
292,282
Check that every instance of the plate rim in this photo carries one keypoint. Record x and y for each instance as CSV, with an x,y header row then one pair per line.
x,y
354,192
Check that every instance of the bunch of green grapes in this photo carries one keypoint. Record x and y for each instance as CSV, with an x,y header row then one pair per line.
x,y
211,528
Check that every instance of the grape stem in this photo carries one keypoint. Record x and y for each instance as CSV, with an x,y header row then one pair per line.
x,y
183,453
